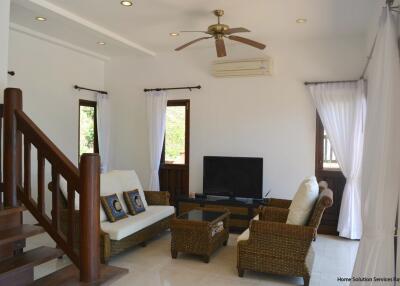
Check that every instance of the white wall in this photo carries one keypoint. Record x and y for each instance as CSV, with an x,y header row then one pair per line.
x,y
270,117
46,74
4,24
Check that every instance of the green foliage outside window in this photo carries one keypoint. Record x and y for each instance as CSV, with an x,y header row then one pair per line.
x,y
175,135
86,130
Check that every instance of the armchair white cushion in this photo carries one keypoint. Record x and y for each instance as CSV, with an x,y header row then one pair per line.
x,y
303,202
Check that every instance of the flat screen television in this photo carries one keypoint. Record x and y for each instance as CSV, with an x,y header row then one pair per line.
x,y
236,177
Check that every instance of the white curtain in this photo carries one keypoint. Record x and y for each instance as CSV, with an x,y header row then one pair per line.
x,y
381,162
103,129
156,117
342,108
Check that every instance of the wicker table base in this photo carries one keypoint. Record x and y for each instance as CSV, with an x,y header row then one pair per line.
x,y
192,232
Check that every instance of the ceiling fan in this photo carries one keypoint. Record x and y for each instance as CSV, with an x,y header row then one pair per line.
x,y
219,32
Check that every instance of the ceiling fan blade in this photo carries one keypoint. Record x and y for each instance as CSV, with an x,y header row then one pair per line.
x,y
248,42
236,30
220,45
190,43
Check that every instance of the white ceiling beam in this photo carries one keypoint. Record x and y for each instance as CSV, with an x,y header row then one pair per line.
x,y
30,32
93,26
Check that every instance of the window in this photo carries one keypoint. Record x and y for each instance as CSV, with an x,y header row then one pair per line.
x,y
176,143
326,158
88,141
329,158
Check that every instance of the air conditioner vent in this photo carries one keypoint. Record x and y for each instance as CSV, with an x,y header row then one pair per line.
x,y
252,67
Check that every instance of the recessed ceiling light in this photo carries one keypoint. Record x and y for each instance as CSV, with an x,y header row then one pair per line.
x,y
40,19
126,3
101,43
301,21
174,34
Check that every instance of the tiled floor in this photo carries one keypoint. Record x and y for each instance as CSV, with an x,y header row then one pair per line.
x,y
153,266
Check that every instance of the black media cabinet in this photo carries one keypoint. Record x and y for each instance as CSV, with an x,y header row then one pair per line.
x,y
241,211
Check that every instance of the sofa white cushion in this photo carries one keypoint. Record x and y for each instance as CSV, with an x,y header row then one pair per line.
x,y
303,202
246,234
127,226
114,182
128,181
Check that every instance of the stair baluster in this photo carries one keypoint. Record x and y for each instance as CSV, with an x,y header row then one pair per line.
x,y
71,214
27,167
55,199
41,203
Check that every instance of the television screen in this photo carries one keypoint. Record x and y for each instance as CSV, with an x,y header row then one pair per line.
x,y
233,177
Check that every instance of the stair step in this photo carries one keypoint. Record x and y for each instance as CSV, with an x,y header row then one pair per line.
x,y
4,211
69,276
18,233
29,259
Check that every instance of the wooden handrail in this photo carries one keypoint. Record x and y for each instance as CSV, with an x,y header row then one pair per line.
x,y
85,181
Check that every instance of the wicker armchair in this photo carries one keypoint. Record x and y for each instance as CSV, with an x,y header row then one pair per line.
x,y
279,248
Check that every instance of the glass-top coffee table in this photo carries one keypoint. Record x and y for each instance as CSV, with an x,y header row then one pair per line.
x,y
200,232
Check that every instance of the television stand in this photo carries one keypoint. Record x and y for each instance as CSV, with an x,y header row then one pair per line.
x,y
240,200
242,211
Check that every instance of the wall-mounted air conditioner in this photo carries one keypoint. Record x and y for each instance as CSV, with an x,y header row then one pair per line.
x,y
252,67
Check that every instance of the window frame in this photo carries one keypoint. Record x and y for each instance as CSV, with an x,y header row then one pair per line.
x,y
88,103
186,103
319,148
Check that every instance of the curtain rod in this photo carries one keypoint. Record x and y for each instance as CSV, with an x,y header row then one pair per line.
x,y
369,58
11,73
324,82
89,89
172,88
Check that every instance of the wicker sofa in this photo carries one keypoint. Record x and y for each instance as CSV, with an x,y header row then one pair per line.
x,y
158,216
279,248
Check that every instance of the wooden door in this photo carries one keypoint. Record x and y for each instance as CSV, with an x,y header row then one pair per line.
x,y
174,168
327,169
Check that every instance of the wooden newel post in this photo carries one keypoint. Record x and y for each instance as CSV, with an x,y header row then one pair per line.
x,y
90,217
12,163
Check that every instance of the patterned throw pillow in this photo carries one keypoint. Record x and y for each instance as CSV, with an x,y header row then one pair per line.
x,y
112,207
134,202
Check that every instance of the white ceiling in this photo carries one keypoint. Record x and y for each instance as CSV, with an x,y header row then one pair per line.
x,y
144,28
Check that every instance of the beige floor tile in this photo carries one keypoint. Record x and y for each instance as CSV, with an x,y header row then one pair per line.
x,y
153,266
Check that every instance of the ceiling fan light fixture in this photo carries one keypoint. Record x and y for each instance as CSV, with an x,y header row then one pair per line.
x,y
301,21
126,3
40,19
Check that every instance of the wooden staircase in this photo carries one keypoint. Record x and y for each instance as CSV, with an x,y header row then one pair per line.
x,y
17,265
